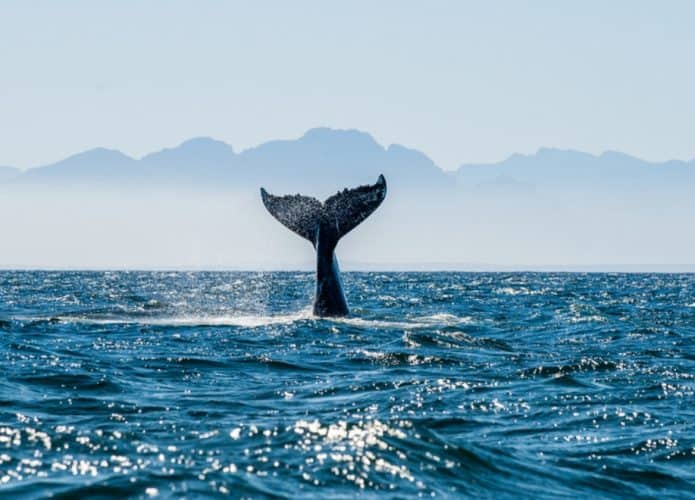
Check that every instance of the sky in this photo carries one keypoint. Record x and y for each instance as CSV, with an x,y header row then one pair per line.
x,y
464,82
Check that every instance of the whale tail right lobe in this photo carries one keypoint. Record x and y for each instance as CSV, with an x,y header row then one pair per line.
x,y
336,216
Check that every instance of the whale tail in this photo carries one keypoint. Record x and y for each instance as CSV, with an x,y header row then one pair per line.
x,y
336,216
323,224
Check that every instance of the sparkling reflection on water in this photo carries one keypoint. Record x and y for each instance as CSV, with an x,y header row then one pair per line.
x,y
447,384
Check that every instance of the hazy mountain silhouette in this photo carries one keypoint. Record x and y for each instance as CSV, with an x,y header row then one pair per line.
x,y
324,158
330,158
555,169
97,165
196,161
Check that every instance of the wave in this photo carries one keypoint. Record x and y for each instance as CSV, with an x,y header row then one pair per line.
x,y
437,384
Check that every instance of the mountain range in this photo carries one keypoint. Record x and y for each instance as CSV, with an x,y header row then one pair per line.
x,y
329,159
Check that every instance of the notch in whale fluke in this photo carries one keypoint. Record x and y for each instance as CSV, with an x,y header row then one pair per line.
x,y
339,214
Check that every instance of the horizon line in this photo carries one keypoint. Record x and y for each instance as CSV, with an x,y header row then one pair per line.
x,y
376,268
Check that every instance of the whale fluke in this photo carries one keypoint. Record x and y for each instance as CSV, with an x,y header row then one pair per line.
x,y
323,224
346,209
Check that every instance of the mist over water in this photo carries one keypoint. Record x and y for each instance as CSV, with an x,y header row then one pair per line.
x,y
191,229
453,384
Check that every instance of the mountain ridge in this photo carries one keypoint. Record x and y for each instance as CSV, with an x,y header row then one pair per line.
x,y
332,157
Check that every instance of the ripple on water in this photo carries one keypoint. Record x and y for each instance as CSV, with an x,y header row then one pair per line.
x,y
448,384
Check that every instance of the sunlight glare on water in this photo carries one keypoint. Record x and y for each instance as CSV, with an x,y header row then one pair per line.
x,y
448,384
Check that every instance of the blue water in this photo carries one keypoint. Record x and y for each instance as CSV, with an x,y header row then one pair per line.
x,y
439,384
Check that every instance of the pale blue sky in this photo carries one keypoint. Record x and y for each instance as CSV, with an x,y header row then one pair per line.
x,y
461,81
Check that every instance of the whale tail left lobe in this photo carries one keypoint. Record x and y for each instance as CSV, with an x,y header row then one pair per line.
x,y
336,216
297,213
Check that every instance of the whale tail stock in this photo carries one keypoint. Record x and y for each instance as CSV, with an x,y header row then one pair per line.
x,y
328,221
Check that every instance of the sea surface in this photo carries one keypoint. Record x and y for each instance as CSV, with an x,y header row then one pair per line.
x,y
177,384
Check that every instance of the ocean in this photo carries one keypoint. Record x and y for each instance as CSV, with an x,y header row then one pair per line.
x,y
447,385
